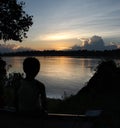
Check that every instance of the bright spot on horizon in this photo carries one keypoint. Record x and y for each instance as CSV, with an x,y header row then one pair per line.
x,y
61,48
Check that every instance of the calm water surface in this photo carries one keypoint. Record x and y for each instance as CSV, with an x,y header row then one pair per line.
x,y
59,74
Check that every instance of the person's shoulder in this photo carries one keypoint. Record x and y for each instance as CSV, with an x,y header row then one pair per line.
x,y
39,84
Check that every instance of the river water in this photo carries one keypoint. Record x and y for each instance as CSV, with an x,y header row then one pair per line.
x,y
61,75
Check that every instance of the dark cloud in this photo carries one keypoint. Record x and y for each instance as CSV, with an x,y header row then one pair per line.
x,y
6,48
94,43
75,47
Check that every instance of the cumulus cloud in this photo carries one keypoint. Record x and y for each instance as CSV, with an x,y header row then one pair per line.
x,y
6,48
94,43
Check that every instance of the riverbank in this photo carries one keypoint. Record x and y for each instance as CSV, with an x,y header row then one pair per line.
x,y
74,53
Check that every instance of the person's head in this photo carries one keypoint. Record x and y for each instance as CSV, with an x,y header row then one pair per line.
x,y
31,67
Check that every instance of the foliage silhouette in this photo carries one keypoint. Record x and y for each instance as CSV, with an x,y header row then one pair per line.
x,y
101,92
79,53
10,89
14,22
2,79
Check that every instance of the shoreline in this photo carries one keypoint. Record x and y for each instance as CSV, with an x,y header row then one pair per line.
x,y
80,53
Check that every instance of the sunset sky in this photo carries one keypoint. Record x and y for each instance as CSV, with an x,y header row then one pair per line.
x,y
61,24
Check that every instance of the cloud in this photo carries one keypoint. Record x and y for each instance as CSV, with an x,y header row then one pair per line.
x,y
94,43
7,48
76,47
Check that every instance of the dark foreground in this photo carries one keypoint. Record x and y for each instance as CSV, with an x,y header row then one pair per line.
x,y
49,122
8,119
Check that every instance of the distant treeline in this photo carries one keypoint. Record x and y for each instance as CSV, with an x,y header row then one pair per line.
x,y
79,53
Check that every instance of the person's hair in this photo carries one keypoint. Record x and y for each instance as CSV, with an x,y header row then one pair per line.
x,y
31,66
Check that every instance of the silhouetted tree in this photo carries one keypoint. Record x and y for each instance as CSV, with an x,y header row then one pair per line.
x,y
14,22
101,91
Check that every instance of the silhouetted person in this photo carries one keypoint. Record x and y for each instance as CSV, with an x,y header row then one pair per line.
x,y
31,93
2,80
